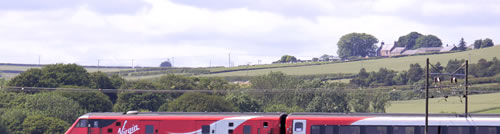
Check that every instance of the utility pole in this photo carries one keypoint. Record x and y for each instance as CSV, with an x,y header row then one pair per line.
x,y
427,98
466,87
38,60
132,63
229,62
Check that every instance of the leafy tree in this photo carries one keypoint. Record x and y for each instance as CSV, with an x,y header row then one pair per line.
x,y
163,107
359,101
495,66
53,76
166,64
287,58
91,101
38,124
325,57
64,74
100,80
329,101
415,73
29,78
478,43
408,41
197,102
283,108
140,84
177,82
428,41
12,120
454,65
213,84
437,68
53,105
360,80
275,80
116,81
462,45
487,43
139,101
379,102
244,103
357,44
401,78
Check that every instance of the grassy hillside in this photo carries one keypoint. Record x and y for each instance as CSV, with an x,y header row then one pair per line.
x,y
401,63
482,103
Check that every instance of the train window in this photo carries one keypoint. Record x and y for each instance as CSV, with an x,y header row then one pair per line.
x,y
265,124
432,130
376,130
150,129
331,130
110,130
231,124
230,131
403,130
315,130
299,127
486,130
118,124
205,129
458,130
247,129
82,123
349,130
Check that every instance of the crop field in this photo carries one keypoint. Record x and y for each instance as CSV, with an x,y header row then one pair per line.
x,y
481,103
398,64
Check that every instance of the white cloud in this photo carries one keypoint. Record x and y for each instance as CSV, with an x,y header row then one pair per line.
x,y
196,36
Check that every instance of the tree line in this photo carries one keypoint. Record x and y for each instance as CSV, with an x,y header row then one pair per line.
x,y
416,73
353,45
53,112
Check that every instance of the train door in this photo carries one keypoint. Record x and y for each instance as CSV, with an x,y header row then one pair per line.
x,y
265,127
299,127
149,127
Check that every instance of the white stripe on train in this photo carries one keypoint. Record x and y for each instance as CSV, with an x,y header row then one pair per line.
x,y
433,121
221,126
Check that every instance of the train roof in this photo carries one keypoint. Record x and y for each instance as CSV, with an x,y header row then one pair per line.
x,y
157,114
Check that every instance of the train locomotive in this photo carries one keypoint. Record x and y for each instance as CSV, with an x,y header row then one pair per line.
x,y
280,123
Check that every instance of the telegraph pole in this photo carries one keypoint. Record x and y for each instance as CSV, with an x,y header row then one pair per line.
x,y
427,98
229,62
466,87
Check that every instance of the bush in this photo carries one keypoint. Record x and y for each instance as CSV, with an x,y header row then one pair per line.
x,y
12,120
197,102
283,108
53,105
139,101
91,101
38,124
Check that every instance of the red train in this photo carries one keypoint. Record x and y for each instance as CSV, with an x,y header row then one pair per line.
x,y
279,123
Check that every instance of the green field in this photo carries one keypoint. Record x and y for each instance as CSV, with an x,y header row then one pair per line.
x,y
483,103
398,64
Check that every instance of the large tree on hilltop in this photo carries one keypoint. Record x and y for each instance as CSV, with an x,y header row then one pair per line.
x,y
357,44
428,41
408,41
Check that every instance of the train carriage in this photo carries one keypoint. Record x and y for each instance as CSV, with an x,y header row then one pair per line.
x,y
335,123
178,123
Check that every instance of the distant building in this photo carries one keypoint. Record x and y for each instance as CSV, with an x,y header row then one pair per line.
x,y
385,49
397,51
448,48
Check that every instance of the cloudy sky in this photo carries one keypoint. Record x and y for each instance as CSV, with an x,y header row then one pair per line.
x,y
203,32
